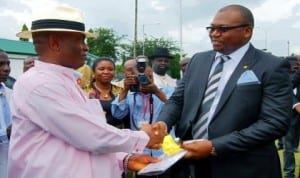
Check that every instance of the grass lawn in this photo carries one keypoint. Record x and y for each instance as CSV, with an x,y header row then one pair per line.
x,y
297,162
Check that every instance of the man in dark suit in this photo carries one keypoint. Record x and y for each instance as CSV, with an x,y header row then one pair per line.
x,y
291,139
251,105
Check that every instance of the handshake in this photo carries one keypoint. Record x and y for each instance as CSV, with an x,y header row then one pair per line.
x,y
156,132
196,149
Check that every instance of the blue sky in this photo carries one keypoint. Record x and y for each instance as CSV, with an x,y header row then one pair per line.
x,y
277,21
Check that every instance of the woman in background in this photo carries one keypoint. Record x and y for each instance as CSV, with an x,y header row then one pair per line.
x,y
102,88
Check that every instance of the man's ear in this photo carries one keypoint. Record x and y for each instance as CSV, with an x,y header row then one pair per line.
x,y
54,42
249,31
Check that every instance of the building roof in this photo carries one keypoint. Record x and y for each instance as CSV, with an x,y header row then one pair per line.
x,y
17,47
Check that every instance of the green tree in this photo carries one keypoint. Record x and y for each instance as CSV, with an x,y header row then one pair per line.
x,y
151,43
175,66
24,28
109,44
105,44
147,48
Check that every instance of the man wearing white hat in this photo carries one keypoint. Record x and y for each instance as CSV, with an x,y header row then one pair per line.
x,y
57,132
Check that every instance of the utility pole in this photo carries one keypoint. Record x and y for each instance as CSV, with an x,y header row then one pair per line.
x,y
288,48
143,39
180,27
135,28
266,39
144,34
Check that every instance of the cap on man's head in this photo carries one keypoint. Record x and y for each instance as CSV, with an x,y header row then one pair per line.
x,y
161,52
59,18
142,58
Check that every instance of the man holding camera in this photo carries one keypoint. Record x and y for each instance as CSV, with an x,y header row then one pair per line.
x,y
141,98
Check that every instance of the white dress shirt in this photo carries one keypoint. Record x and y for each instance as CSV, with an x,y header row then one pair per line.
x,y
229,67
162,81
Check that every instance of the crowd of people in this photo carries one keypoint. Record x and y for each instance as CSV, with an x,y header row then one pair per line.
x,y
67,119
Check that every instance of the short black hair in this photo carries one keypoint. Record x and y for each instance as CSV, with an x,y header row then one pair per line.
x,y
245,13
3,54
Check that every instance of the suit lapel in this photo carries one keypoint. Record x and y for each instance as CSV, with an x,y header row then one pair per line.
x,y
203,74
197,76
246,63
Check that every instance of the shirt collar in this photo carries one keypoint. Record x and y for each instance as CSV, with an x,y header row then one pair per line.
x,y
71,73
237,54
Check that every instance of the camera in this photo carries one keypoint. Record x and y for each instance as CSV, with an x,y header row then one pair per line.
x,y
141,65
141,78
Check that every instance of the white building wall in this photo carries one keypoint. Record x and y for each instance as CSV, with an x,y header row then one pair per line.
x,y
16,64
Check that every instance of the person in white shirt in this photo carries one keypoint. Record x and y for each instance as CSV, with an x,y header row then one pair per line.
x,y
160,64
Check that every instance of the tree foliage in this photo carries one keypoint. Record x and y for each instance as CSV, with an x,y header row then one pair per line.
x,y
152,43
105,44
109,44
24,28
147,48
175,67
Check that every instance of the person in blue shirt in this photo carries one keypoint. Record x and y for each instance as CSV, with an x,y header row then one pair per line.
x,y
5,117
143,104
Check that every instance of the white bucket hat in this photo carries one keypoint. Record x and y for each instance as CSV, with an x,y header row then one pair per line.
x,y
60,18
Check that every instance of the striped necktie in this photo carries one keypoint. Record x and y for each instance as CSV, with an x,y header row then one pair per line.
x,y
199,129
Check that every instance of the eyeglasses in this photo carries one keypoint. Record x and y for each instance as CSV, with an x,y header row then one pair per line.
x,y
224,29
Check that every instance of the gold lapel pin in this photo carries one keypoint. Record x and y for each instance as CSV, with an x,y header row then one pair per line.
x,y
245,67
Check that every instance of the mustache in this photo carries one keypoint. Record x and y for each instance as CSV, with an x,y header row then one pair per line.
x,y
161,70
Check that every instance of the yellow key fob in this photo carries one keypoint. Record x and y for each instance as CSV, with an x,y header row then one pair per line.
x,y
169,146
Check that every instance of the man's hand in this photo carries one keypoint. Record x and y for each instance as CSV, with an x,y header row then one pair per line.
x,y
150,88
198,149
160,127
156,132
297,108
129,80
138,162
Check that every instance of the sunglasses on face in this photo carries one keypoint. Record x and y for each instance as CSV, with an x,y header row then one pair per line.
x,y
225,29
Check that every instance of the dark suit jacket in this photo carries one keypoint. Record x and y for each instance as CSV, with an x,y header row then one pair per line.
x,y
295,120
296,85
247,119
296,79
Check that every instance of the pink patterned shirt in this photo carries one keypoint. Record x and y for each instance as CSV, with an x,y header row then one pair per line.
x,y
59,133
